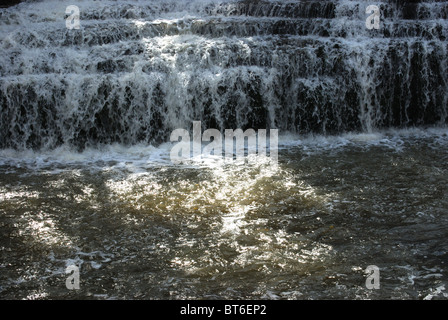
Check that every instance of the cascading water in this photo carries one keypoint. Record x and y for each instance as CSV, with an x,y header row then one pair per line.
x,y
85,175
137,70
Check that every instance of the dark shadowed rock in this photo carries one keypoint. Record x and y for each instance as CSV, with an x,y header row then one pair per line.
x,y
9,3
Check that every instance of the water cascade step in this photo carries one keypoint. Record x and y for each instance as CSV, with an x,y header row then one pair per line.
x,y
136,70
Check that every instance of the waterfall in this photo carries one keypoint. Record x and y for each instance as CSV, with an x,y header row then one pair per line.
x,y
136,70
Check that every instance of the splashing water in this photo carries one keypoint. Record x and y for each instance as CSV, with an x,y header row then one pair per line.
x,y
86,177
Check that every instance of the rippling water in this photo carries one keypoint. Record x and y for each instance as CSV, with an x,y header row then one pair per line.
x,y
85,171
141,228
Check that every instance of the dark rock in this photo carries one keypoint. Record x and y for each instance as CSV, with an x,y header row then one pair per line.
x,y
9,3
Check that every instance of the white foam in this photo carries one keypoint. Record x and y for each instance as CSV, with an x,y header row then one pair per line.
x,y
141,156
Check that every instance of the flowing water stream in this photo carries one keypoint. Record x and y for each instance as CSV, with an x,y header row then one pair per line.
x,y
86,177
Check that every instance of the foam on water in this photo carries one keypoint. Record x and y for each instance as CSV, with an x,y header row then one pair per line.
x,y
136,70
87,177
145,156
